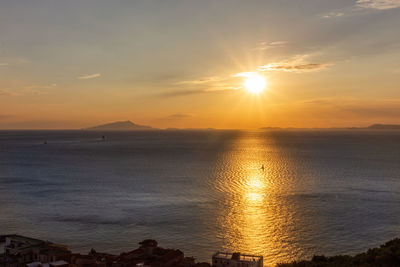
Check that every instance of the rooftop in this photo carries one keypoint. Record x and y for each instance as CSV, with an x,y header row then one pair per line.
x,y
54,263
21,238
237,256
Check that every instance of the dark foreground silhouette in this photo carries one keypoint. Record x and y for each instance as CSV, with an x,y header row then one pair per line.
x,y
22,251
387,255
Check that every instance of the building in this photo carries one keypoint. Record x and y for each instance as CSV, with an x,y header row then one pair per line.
x,y
13,244
150,254
226,259
20,250
93,259
50,264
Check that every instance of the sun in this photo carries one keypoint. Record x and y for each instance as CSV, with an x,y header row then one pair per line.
x,y
255,83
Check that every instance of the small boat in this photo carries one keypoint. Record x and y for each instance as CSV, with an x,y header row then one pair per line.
x,y
45,142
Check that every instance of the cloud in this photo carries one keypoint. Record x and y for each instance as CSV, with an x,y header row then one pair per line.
x,y
90,76
3,64
49,86
332,15
205,85
379,4
27,90
234,82
293,68
297,64
32,91
200,81
6,92
269,45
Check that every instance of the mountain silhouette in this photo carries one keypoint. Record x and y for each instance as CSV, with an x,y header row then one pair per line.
x,y
119,126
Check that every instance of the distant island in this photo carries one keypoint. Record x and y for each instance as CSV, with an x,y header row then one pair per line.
x,y
119,126
376,126
130,126
384,127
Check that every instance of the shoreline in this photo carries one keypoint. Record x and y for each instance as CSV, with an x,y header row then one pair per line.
x,y
26,251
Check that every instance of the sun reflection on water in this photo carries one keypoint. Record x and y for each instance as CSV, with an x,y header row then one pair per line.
x,y
255,219
255,189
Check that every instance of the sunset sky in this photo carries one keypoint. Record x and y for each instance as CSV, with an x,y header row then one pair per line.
x,y
182,63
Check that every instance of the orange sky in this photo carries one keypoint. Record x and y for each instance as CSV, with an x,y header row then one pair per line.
x,y
74,64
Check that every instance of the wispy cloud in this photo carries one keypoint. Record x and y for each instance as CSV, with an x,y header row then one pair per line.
x,y
331,15
206,85
205,80
297,64
3,64
6,92
379,4
32,91
233,82
270,45
48,86
90,76
27,90
293,68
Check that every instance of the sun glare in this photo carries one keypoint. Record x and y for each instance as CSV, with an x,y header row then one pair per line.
x,y
255,83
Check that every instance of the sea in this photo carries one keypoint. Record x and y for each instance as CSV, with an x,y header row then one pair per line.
x,y
285,195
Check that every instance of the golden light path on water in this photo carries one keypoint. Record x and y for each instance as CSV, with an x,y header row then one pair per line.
x,y
256,217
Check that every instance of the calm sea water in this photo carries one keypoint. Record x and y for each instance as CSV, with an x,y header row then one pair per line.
x,y
203,191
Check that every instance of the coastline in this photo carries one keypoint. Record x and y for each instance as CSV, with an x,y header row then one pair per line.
x,y
27,251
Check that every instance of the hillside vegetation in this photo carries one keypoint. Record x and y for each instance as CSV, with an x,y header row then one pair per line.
x,y
387,255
